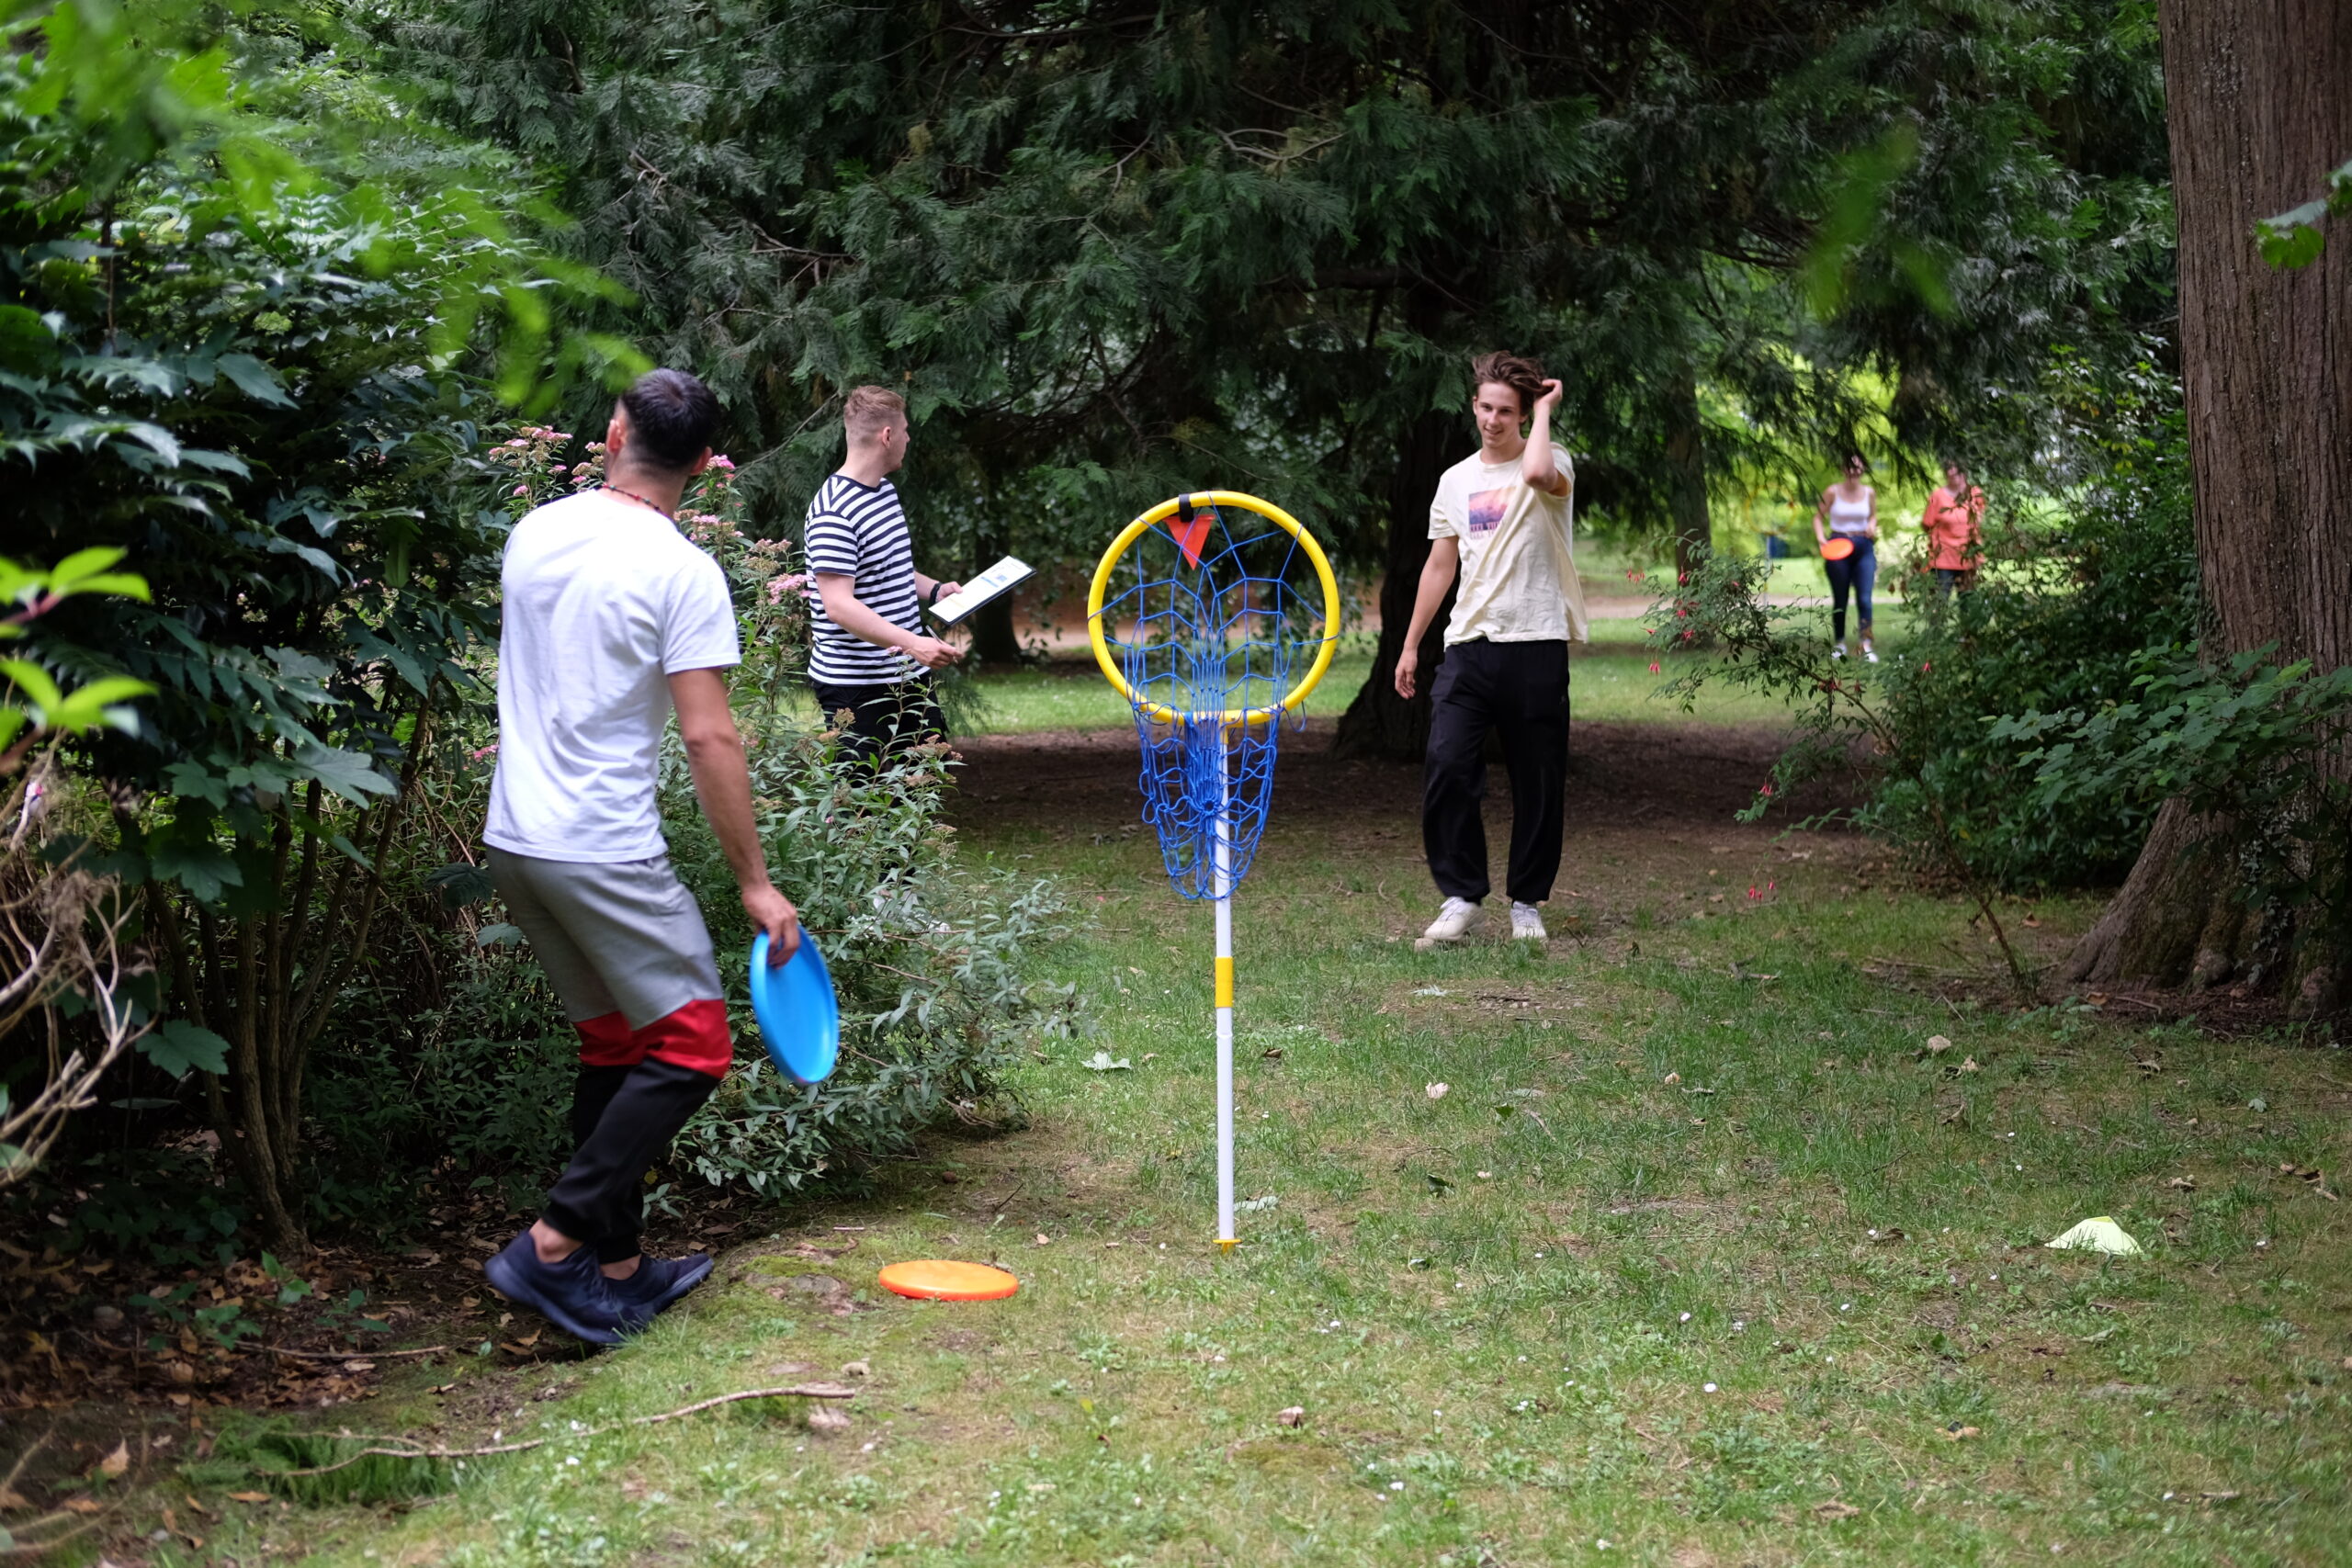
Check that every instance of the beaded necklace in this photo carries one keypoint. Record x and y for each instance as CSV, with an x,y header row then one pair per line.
x,y
640,500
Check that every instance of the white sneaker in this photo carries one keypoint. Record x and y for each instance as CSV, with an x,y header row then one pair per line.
x,y
1452,923
1870,655
1837,650
1527,924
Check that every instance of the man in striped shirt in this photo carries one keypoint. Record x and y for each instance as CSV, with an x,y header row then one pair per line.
x,y
868,653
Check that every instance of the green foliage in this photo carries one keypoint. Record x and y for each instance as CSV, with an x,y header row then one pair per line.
x,y
2250,745
930,958
257,377
1113,255
2293,238
1847,720
2063,617
35,706
453,1059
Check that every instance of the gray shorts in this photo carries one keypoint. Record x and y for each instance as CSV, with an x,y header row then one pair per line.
x,y
622,937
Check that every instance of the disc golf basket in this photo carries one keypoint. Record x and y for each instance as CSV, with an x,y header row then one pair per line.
x,y
1213,615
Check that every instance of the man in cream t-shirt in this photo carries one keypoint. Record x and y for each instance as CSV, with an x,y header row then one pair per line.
x,y
1503,519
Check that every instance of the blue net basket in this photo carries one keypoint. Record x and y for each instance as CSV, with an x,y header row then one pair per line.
x,y
1212,617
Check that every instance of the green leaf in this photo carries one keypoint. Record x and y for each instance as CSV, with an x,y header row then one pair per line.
x,y
178,1047
349,773
500,935
461,884
204,869
2287,244
255,379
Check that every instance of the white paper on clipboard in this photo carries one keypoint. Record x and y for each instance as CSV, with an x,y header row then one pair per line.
x,y
1002,577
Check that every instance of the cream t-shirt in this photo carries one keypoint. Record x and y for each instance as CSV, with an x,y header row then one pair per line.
x,y
1519,570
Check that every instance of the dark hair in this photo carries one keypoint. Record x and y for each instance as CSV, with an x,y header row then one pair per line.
x,y
673,415
1524,376
1854,457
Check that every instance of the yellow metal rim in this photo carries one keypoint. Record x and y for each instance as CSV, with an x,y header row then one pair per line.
x,y
1160,713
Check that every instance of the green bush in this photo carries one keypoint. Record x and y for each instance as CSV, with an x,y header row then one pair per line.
x,y
926,953
2063,620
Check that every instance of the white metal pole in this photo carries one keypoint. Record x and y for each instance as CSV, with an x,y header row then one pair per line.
x,y
1222,887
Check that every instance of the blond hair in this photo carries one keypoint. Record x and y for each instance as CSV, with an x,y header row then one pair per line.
x,y
867,410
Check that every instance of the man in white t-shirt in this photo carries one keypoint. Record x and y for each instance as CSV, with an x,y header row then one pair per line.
x,y
611,621
1504,521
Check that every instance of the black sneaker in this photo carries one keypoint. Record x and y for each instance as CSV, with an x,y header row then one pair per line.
x,y
656,1282
572,1294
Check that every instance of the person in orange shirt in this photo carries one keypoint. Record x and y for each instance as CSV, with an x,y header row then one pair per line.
x,y
1955,526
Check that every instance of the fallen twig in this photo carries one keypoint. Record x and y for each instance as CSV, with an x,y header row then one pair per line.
x,y
351,1355
798,1390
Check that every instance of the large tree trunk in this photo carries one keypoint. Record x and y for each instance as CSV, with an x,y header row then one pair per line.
x,y
1686,465
1379,723
2259,111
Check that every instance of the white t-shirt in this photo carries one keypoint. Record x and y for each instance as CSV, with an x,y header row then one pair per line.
x,y
1519,570
605,601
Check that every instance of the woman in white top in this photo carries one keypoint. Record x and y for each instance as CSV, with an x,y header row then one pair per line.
x,y
1848,511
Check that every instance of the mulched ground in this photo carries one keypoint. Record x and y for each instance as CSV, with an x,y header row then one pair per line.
x,y
1620,776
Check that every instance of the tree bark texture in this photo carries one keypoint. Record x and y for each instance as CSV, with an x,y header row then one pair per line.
x,y
2259,104
1686,463
1379,723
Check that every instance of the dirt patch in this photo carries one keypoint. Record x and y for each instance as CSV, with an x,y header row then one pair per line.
x,y
1643,802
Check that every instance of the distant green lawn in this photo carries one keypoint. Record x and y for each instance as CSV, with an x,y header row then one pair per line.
x,y
1610,678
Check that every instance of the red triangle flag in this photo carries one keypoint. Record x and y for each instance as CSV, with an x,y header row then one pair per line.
x,y
1190,537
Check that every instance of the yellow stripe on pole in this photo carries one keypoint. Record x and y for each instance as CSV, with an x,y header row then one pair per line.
x,y
1225,982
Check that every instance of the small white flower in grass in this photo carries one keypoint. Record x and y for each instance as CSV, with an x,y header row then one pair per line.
x,y
1686,1317
1437,1090
1539,1254
1601,1545
1706,1388
1335,1322
1846,1306
1395,1486
1738,1327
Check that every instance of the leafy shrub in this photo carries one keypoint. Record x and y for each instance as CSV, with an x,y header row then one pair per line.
x,y
927,956
2250,747
2063,619
450,1057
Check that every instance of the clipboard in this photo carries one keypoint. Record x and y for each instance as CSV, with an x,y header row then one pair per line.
x,y
999,580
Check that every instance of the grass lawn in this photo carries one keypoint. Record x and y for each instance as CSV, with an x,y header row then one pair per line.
x,y
1709,1251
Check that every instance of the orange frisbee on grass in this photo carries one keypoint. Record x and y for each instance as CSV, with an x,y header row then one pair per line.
x,y
1837,548
936,1279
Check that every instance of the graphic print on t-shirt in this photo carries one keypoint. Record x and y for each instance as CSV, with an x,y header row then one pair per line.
x,y
1485,511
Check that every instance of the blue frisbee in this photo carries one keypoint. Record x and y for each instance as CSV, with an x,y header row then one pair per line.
x,y
800,1021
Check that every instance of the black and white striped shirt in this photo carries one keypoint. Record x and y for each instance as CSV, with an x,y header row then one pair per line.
x,y
860,532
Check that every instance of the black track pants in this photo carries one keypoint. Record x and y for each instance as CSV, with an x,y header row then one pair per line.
x,y
1519,689
623,1119
884,718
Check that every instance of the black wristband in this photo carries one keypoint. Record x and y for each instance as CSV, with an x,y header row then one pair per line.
x,y
936,586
